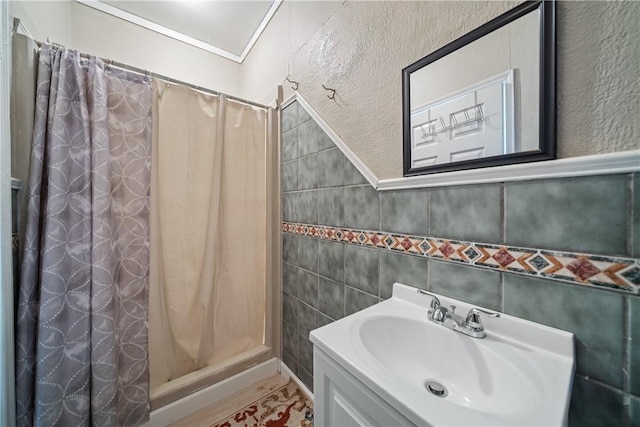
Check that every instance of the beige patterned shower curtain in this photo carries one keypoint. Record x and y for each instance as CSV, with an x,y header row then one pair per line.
x,y
208,231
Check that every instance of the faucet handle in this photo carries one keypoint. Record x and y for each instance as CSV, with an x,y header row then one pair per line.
x,y
435,302
473,321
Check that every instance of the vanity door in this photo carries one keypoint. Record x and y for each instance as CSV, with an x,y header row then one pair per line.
x,y
342,401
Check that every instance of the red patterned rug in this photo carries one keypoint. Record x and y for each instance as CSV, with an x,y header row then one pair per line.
x,y
285,407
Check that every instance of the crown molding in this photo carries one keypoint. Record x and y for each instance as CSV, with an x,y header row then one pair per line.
x,y
145,23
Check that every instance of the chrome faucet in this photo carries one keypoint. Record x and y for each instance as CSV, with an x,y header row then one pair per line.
x,y
471,326
436,311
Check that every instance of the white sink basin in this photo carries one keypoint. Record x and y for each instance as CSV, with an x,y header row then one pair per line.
x,y
474,375
519,374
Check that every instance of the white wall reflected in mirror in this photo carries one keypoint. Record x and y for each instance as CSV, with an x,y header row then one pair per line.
x,y
481,100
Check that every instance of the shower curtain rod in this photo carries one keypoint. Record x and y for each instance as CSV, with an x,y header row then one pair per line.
x,y
144,72
141,71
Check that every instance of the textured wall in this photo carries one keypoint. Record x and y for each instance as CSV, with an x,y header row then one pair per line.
x,y
360,48
598,84
361,51
325,279
268,63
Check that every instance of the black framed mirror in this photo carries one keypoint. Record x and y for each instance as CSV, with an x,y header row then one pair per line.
x,y
485,99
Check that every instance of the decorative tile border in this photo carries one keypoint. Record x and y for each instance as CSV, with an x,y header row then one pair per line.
x,y
622,274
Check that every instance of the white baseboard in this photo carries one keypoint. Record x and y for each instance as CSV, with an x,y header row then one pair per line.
x,y
288,373
172,412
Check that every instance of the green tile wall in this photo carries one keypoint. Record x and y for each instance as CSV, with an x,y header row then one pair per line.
x,y
325,280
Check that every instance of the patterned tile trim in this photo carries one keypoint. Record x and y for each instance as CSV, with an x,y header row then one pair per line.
x,y
622,274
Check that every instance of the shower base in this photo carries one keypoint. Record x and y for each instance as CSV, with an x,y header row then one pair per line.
x,y
196,390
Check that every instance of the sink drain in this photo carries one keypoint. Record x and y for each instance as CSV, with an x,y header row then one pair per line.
x,y
436,388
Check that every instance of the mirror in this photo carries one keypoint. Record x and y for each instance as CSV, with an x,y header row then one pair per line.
x,y
485,99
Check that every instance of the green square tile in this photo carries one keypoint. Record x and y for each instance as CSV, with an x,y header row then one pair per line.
x,y
307,319
634,344
306,353
331,260
331,168
634,411
583,214
290,339
290,279
406,269
362,208
470,212
352,175
306,206
290,248
308,288
290,310
405,211
289,146
311,138
594,405
594,316
308,172
303,116
289,174
361,268
470,284
331,298
356,300
331,206
290,361
308,253
290,117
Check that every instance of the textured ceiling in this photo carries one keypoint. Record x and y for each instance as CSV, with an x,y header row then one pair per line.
x,y
228,25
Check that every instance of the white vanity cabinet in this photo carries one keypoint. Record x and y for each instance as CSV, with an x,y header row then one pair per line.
x,y
390,365
343,401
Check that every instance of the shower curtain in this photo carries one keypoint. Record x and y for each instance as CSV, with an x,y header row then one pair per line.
x,y
81,334
208,219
